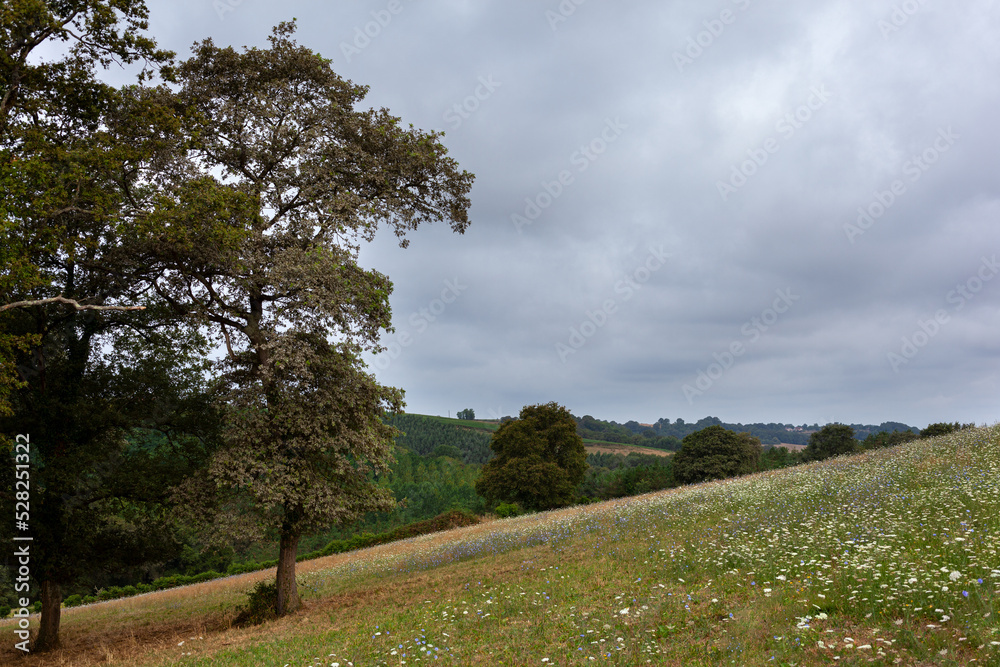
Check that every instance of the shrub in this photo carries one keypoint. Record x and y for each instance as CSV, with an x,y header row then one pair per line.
x,y
505,510
262,600
943,428
887,439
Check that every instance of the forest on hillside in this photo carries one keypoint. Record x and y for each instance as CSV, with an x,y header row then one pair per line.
x,y
666,435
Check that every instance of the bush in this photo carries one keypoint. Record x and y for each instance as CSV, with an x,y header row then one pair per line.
x,y
4,611
506,510
638,480
73,601
262,601
887,439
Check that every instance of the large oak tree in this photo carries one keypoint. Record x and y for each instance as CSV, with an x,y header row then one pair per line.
x,y
258,238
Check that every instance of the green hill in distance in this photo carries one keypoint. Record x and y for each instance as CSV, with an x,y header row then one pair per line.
x,y
425,432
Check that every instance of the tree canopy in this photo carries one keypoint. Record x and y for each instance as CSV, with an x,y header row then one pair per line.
x,y
831,440
716,453
538,462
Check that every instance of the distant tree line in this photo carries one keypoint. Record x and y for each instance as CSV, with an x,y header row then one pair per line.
x,y
768,434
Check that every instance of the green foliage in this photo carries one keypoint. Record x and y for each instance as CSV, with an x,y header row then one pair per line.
x,y
831,440
884,439
75,157
422,435
507,510
616,476
716,453
638,480
449,451
468,413
260,605
597,429
943,428
779,457
539,460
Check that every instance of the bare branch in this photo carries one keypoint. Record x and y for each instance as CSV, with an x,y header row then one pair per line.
x,y
229,342
62,299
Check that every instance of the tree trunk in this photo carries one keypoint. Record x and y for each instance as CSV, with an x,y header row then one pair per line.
x,y
288,593
48,629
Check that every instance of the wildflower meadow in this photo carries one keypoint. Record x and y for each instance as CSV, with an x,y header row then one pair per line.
x,y
887,558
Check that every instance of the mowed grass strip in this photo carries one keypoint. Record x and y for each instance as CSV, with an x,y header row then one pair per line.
x,y
889,558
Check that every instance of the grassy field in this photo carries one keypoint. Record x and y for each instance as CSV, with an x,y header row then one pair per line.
x,y
887,558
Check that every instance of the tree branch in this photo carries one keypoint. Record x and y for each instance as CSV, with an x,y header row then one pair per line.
x,y
62,299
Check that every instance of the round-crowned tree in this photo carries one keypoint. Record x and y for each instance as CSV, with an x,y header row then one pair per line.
x,y
538,462
716,453
831,440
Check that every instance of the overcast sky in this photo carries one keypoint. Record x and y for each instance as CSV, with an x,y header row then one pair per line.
x,y
759,211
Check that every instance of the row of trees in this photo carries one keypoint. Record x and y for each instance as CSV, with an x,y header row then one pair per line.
x,y
839,439
540,462
142,227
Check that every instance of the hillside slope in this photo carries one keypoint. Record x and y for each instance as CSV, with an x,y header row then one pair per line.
x,y
889,557
423,434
